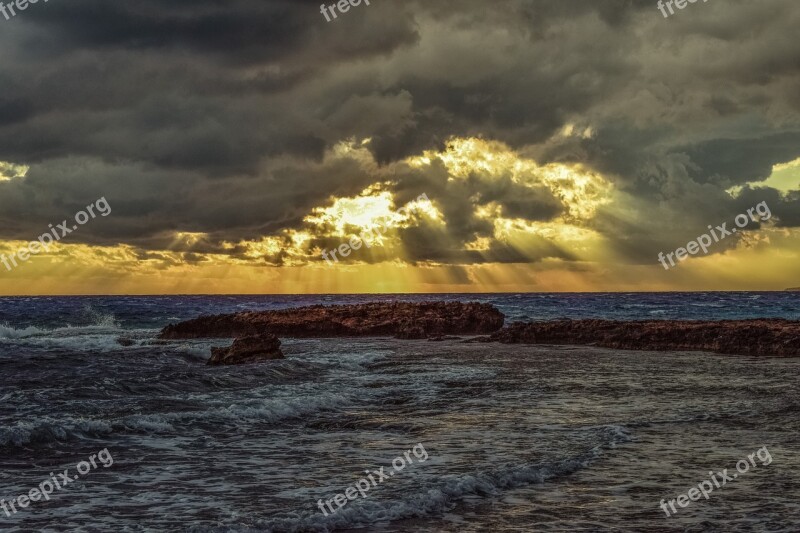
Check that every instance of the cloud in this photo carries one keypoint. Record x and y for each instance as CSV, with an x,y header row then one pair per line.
x,y
234,121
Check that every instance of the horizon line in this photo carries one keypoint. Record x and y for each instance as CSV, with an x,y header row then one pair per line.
x,y
146,295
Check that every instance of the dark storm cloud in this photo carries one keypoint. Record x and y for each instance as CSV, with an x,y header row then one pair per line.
x,y
12,111
742,160
215,116
785,209
233,30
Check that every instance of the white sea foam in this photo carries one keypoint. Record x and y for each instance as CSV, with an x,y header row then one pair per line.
x,y
101,335
9,332
199,350
100,318
99,322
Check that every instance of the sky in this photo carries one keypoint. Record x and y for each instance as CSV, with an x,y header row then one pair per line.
x,y
503,146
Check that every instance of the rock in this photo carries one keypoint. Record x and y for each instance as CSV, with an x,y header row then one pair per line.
x,y
761,337
248,350
409,330
440,338
125,341
404,320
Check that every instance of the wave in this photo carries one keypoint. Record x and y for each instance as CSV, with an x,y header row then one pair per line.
x,y
46,430
100,335
101,322
437,499
9,332
77,340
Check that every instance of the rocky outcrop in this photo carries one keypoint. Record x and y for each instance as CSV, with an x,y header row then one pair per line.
x,y
403,320
762,337
248,350
125,341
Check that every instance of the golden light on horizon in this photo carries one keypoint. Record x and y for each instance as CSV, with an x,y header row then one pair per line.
x,y
566,252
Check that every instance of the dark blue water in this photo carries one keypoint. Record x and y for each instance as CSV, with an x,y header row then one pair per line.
x,y
156,311
519,438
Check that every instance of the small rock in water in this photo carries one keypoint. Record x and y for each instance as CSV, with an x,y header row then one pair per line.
x,y
125,341
253,349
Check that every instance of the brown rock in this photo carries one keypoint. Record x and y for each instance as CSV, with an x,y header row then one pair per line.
x,y
401,319
763,337
248,350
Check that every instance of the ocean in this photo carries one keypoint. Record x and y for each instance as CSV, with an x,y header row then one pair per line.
x,y
515,438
